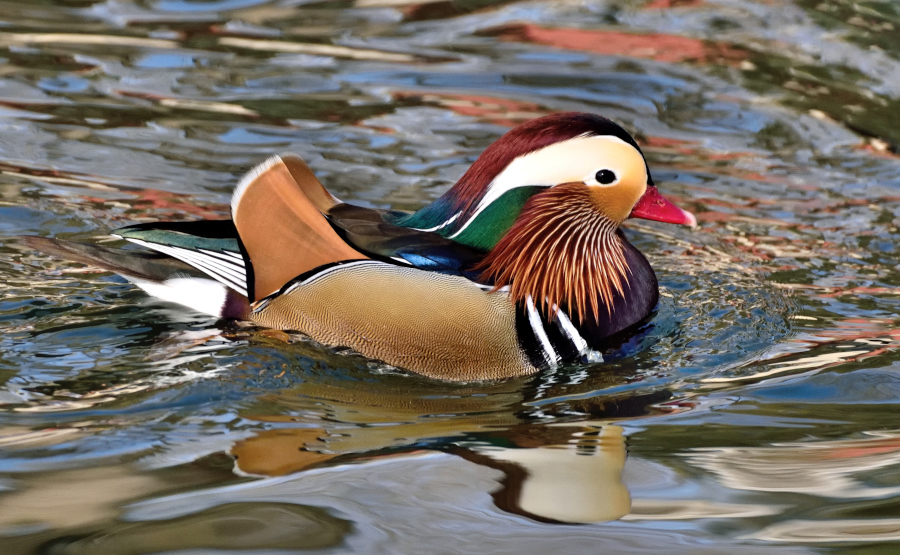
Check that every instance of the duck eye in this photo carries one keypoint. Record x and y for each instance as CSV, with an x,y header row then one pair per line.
x,y
605,177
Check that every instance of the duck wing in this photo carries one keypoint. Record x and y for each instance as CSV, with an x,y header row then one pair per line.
x,y
368,231
158,274
282,229
210,246
285,224
277,211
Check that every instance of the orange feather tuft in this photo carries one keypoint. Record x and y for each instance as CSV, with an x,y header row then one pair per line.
x,y
562,252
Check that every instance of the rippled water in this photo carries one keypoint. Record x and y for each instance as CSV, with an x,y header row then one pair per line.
x,y
756,413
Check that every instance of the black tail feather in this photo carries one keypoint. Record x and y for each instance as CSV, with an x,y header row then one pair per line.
x,y
130,264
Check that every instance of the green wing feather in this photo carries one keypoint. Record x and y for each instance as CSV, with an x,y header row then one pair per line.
x,y
368,231
215,235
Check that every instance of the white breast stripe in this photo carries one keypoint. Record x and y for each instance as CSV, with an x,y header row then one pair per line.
x,y
535,320
570,331
222,270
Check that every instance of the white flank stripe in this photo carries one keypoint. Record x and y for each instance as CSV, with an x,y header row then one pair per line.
x,y
201,294
333,269
199,260
236,256
212,271
217,271
238,274
570,331
535,320
200,256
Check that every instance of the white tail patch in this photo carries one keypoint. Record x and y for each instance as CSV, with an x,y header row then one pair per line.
x,y
201,294
227,268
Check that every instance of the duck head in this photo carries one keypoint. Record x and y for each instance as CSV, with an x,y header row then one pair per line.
x,y
563,148
545,202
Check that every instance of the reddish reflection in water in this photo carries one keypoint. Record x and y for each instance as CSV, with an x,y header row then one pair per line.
x,y
653,46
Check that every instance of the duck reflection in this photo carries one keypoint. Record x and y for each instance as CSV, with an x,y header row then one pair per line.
x,y
567,474
562,460
570,473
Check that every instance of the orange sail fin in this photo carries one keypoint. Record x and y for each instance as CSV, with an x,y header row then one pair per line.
x,y
278,212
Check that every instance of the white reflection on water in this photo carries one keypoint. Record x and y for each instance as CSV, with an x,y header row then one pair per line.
x,y
577,482
832,531
693,509
824,468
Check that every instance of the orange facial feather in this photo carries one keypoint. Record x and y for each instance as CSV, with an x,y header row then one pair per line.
x,y
563,252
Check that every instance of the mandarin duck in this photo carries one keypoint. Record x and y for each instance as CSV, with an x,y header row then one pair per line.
x,y
519,267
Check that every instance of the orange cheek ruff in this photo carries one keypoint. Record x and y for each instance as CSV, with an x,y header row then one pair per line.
x,y
562,252
617,201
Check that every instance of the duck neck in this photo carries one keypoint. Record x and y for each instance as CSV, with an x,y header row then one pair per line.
x,y
479,227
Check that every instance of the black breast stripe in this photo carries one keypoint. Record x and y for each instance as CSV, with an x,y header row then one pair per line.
x,y
563,344
528,340
550,342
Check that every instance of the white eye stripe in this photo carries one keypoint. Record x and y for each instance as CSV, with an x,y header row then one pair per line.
x,y
562,162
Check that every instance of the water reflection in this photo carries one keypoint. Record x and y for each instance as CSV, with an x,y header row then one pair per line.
x,y
825,468
570,473
238,526
78,511
833,531
70,499
759,406
575,477
562,472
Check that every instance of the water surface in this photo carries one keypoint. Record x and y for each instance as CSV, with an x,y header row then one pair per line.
x,y
756,413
